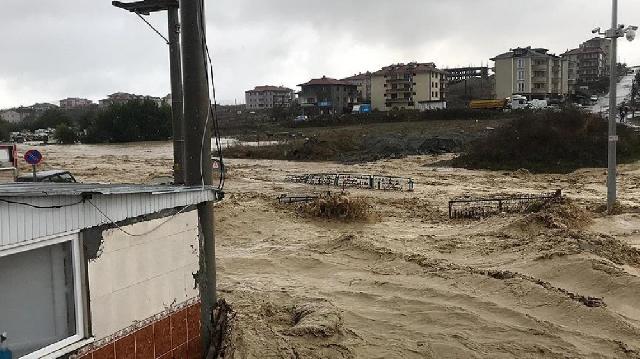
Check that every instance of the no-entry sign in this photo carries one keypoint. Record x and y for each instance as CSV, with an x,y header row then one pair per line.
x,y
33,157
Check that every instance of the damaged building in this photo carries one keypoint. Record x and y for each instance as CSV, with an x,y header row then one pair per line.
x,y
100,271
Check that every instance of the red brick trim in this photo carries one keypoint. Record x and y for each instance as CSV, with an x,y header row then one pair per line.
x,y
175,333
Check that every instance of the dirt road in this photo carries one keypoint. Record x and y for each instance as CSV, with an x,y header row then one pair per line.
x,y
410,283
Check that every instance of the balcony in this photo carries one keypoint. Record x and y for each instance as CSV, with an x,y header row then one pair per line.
x,y
398,100
540,67
400,80
540,79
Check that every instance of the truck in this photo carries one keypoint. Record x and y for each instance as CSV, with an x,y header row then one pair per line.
x,y
8,162
515,102
488,104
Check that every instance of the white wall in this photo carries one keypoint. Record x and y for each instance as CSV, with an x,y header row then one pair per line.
x,y
135,278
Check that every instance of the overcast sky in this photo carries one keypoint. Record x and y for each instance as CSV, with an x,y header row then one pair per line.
x,y
53,49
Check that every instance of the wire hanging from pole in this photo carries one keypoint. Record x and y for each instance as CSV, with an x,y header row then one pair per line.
x,y
154,29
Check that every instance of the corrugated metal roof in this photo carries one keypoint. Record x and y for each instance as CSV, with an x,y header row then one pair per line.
x,y
76,189
30,212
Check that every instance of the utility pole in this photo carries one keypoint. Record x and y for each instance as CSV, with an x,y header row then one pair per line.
x,y
613,101
198,150
614,33
177,104
147,7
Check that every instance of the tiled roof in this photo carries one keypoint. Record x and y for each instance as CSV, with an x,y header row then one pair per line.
x,y
524,52
326,81
410,67
270,88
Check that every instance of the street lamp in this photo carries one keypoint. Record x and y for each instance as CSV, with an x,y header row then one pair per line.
x,y
614,33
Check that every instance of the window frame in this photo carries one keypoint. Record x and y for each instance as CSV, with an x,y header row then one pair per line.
x,y
80,304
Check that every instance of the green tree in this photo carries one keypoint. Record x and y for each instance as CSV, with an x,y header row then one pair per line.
x,y
65,134
130,122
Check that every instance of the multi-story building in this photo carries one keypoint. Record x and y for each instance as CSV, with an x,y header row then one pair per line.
x,y
593,60
330,95
573,69
269,97
363,82
120,98
419,86
15,115
72,103
531,72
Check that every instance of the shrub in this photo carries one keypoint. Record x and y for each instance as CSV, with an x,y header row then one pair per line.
x,y
549,142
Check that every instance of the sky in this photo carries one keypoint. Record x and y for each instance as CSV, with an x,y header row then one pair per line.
x,y
53,49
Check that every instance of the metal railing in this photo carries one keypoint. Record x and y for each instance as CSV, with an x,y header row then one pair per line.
x,y
361,181
473,208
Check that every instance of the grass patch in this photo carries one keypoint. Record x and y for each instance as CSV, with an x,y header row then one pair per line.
x,y
549,142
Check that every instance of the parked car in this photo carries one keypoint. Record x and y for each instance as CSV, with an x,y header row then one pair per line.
x,y
57,176
300,119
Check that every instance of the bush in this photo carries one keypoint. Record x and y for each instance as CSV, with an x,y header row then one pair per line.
x,y
339,207
549,142
5,128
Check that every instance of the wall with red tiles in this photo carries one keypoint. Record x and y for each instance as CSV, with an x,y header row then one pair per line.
x,y
177,335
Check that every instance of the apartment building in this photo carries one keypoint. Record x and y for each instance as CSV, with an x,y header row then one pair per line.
x,y
531,72
329,95
120,98
363,82
573,67
269,97
74,103
593,60
419,86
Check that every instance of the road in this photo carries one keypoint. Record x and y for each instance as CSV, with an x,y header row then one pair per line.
x,y
623,93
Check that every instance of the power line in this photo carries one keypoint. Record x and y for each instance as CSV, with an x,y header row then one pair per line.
x,y
41,207
154,29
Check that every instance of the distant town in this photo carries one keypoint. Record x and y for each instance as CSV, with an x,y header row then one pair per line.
x,y
531,77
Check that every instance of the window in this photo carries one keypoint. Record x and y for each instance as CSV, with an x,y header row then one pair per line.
x,y
520,86
42,310
520,63
520,74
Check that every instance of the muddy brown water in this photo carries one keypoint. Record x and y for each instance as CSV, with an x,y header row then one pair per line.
x,y
411,283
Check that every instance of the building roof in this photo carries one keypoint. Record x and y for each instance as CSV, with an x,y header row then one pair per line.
x,y
416,67
572,52
78,189
524,52
360,76
30,212
326,81
270,88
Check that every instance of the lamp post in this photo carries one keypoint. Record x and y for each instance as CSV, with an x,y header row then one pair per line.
x,y
614,33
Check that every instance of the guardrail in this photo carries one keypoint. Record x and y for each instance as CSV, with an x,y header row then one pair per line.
x,y
485,207
362,181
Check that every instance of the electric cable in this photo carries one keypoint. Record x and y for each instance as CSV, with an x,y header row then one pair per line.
x,y
41,207
154,29
140,234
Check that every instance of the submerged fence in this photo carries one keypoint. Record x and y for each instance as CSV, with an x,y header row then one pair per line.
x,y
344,180
483,207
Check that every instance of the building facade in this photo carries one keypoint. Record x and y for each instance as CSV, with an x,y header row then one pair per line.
x,y
100,271
329,95
417,86
363,82
531,72
592,58
72,103
269,96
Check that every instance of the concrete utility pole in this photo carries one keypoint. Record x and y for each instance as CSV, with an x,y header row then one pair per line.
x,y
177,104
613,101
198,149
614,33
147,7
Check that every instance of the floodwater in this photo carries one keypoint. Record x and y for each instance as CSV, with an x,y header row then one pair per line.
x,y
410,283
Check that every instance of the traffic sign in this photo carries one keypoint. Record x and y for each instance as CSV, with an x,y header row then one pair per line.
x,y
33,157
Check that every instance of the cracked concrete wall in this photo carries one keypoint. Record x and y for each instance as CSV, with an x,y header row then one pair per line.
x,y
134,278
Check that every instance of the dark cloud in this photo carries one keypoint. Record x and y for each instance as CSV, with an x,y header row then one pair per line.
x,y
55,49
